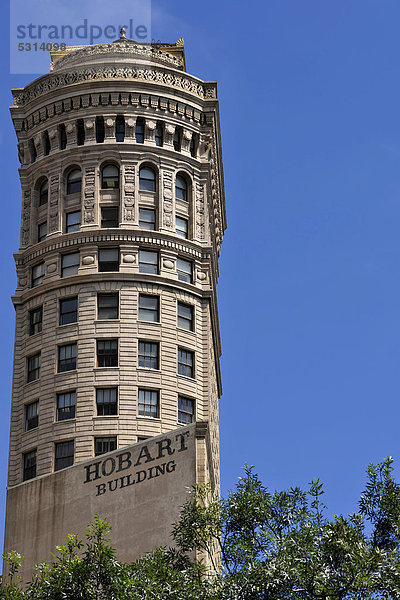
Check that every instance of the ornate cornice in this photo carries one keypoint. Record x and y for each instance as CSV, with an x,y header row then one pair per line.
x,y
159,76
118,48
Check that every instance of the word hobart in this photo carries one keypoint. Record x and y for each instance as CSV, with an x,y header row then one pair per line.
x,y
127,460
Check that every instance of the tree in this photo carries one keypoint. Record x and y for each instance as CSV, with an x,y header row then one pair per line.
x,y
253,545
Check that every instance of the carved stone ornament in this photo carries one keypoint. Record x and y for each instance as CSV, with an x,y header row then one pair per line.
x,y
200,212
88,200
53,198
167,200
168,264
129,258
52,268
129,194
26,217
88,260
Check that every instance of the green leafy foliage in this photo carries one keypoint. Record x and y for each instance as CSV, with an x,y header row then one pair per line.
x,y
252,545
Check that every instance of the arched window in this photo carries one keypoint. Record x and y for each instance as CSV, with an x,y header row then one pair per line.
x,y
147,179
44,192
74,181
181,188
109,177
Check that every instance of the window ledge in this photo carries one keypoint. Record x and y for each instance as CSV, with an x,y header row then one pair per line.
x,y
102,417
150,322
106,369
107,320
186,377
147,370
64,372
72,420
186,330
141,417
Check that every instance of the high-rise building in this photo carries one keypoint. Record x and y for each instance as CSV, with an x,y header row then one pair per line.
x,y
117,341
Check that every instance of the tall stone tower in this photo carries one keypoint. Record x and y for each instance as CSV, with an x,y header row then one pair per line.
x,y
116,366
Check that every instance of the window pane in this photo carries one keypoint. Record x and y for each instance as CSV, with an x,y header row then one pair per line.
x,y
185,316
185,362
42,231
148,403
73,221
35,320
185,410
33,367
64,455
44,193
31,415
107,353
104,444
68,311
180,188
70,264
30,459
148,355
74,182
110,176
147,179
108,259
182,227
148,308
147,218
66,404
67,358
184,270
139,131
148,262
110,217
106,400
107,306
37,274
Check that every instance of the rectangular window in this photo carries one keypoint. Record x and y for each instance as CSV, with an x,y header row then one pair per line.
x,y
107,353
104,444
182,227
69,310
149,308
148,403
33,368
107,306
185,410
37,274
64,455
67,358
31,415
106,401
69,264
148,355
35,320
30,459
147,218
108,259
185,316
148,262
73,221
66,403
184,270
185,362
139,130
42,231
110,217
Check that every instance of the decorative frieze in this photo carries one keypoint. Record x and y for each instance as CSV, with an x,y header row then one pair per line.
x,y
89,196
26,217
200,212
54,192
128,202
167,205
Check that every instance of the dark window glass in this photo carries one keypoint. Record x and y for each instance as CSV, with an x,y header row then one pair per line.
x,y
62,136
32,150
148,355
67,358
42,231
185,316
193,145
33,369
185,362
100,130
184,270
159,134
30,465
64,455
147,218
148,403
66,404
102,445
31,415
80,132
182,227
147,179
110,217
44,193
37,274
69,264
120,128
107,353
107,306
177,139
74,181
148,262
149,308
73,221
35,320
139,130
108,259
109,177
185,410
69,310
106,400
181,188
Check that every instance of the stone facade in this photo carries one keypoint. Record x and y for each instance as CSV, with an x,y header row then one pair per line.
x,y
120,157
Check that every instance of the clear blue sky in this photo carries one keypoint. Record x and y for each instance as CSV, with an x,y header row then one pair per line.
x,y
309,292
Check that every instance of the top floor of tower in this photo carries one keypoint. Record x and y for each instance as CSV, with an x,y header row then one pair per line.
x,y
135,104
